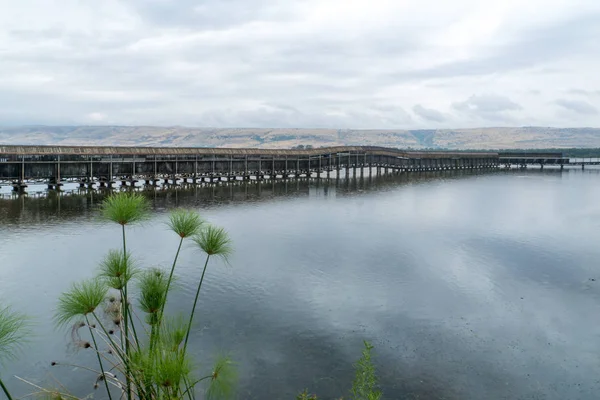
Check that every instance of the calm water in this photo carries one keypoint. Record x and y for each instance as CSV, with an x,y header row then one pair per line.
x,y
470,286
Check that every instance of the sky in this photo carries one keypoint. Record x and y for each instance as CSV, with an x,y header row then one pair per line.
x,y
382,64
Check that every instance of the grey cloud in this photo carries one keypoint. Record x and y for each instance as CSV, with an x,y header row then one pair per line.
x,y
577,106
528,49
488,107
429,114
331,59
188,61
285,116
210,14
487,104
314,72
582,92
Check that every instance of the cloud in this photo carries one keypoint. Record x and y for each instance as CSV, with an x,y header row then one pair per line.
x,y
528,48
96,116
582,92
335,63
577,106
488,107
428,114
211,14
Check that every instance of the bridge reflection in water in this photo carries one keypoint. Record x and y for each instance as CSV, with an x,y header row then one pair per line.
x,y
73,202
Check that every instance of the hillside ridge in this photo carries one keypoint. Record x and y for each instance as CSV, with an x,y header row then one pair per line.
x,y
459,139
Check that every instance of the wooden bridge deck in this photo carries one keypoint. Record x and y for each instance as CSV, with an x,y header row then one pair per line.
x,y
106,165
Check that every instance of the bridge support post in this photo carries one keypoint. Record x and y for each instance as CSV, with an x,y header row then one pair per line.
x,y
319,168
110,172
58,184
91,170
273,173
19,187
259,173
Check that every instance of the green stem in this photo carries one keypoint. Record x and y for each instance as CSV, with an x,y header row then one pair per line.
x,y
132,323
152,333
194,384
162,308
187,335
124,243
190,393
118,350
125,317
5,390
99,359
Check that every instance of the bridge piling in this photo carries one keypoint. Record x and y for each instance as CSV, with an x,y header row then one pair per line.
x,y
105,165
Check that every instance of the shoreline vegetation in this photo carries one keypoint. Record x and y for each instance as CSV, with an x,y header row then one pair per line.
x,y
141,350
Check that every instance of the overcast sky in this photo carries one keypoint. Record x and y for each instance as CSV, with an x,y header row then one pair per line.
x,y
305,63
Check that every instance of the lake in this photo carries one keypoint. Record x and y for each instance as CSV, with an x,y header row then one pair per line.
x,y
470,285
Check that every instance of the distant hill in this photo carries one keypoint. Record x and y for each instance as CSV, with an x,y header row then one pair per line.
x,y
479,138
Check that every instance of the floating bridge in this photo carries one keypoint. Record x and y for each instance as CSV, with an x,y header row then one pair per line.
x,y
107,166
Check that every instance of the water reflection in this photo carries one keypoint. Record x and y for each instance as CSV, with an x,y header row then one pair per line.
x,y
73,202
